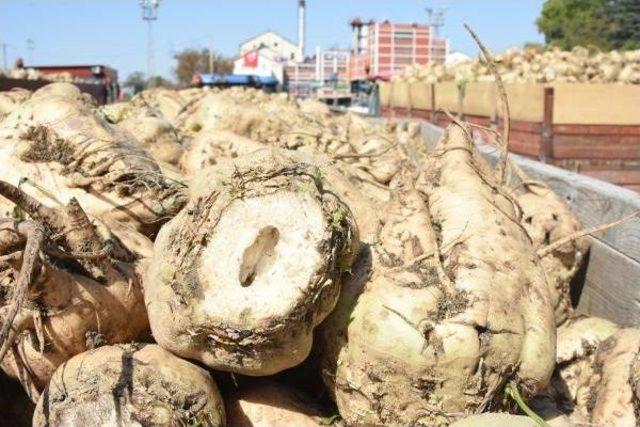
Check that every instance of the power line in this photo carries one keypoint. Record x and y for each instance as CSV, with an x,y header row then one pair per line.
x,y
100,55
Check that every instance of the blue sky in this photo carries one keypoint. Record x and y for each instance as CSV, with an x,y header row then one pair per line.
x,y
112,32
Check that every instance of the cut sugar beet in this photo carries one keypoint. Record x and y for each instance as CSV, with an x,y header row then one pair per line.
x,y
268,236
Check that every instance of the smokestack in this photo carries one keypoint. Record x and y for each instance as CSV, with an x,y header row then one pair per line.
x,y
301,26
356,26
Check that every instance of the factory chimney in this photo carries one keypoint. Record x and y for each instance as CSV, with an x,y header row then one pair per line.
x,y
301,27
356,43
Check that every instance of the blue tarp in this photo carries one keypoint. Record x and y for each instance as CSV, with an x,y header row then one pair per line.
x,y
237,79
267,80
209,79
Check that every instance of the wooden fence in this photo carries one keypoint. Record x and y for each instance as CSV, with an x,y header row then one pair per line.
x,y
607,284
589,128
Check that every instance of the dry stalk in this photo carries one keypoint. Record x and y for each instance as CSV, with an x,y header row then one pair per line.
x,y
35,240
546,250
504,101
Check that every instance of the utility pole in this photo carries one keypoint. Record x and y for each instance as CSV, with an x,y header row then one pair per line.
x,y
150,14
4,56
210,55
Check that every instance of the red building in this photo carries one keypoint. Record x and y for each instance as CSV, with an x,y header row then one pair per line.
x,y
88,73
326,67
301,78
383,49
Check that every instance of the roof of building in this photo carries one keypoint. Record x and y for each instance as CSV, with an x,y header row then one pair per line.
x,y
267,32
454,57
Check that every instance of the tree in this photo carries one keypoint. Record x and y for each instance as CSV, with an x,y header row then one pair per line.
x,y
625,16
192,61
569,23
604,24
539,47
138,82
159,81
135,81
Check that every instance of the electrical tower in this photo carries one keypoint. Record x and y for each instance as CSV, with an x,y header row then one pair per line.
x,y
150,14
436,19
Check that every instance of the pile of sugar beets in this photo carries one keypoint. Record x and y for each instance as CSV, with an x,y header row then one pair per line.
x,y
209,258
547,66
